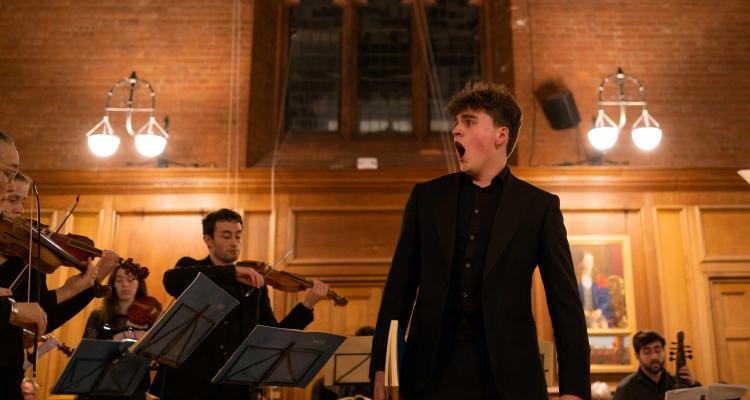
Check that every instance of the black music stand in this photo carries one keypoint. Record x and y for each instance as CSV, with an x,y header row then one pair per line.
x,y
187,322
98,367
351,362
278,357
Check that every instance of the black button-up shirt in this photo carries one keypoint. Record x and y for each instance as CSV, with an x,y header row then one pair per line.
x,y
475,216
638,386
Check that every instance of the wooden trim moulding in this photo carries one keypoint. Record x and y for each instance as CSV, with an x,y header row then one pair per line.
x,y
258,180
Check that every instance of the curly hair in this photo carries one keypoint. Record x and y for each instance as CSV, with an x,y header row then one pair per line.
x,y
493,99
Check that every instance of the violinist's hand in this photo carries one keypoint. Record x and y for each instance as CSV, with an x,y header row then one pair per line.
x,y
30,316
106,264
379,388
686,374
318,292
77,283
249,276
5,292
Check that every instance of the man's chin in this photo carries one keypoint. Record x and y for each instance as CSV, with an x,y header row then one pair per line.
x,y
655,369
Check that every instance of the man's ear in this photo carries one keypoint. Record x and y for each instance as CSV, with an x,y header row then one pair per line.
x,y
501,135
208,240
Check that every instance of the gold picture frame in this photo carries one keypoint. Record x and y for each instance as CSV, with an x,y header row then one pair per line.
x,y
604,273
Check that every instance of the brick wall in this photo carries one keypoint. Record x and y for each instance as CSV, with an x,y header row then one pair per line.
x,y
59,58
693,58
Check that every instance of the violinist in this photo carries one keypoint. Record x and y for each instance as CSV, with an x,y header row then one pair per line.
x,y
60,304
222,233
14,315
111,322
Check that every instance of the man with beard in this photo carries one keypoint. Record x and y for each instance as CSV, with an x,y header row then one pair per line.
x,y
651,381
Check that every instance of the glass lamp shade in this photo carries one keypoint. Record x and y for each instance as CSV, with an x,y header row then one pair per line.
x,y
646,137
150,145
103,145
603,137
151,139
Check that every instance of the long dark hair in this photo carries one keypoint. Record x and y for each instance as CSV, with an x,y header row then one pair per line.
x,y
110,303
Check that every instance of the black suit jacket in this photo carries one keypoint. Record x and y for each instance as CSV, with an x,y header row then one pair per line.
x,y
192,380
528,231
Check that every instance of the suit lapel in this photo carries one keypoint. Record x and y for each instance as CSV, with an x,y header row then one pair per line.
x,y
514,203
446,205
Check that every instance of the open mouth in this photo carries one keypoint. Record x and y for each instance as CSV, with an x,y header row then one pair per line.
x,y
460,150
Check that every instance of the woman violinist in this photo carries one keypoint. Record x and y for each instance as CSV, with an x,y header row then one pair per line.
x,y
60,304
126,314
114,320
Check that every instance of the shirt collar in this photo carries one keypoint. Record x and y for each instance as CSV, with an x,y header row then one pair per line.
x,y
497,181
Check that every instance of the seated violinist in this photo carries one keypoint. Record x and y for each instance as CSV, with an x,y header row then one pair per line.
x,y
60,305
222,233
118,319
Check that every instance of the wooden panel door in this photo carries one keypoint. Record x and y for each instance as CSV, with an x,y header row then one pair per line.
x,y
730,302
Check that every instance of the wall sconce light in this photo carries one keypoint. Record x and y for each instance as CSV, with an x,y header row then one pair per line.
x,y
150,140
645,130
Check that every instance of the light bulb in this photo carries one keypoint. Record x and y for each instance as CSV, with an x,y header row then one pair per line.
x,y
646,137
603,137
103,145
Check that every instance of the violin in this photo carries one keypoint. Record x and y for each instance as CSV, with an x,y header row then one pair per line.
x,y
144,311
56,249
287,281
68,351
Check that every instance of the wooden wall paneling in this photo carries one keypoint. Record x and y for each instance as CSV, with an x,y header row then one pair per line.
x,y
674,272
158,239
724,233
699,299
731,309
333,236
257,236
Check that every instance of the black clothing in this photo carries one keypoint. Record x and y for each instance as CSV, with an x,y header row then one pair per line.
x,y
4,312
638,386
475,216
527,231
11,337
192,380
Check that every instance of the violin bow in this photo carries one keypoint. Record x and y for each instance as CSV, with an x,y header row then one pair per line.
x,y
69,213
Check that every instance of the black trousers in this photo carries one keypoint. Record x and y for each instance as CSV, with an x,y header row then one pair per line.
x,y
10,383
464,373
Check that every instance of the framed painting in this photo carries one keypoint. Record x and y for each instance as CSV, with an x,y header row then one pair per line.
x,y
604,275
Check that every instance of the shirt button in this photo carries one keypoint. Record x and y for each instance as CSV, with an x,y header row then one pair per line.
x,y
226,322
468,265
476,211
221,347
466,295
471,237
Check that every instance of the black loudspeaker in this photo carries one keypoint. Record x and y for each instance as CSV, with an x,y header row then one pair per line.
x,y
561,110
